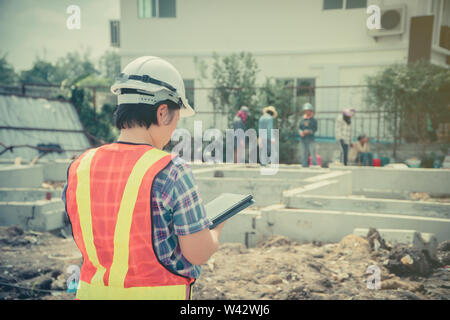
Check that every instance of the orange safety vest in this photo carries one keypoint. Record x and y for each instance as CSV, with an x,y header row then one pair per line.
x,y
109,205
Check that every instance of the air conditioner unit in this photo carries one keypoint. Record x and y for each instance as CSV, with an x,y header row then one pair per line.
x,y
392,19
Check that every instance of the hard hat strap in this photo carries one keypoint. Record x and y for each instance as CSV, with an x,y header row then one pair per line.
x,y
147,79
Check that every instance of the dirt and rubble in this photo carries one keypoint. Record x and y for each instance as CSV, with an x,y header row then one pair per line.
x,y
37,265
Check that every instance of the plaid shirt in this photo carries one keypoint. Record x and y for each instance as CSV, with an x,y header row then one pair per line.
x,y
177,211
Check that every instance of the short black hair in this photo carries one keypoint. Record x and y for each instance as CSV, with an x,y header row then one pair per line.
x,y
270,112
128,115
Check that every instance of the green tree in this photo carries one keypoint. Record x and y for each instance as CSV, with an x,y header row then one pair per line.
x,y
74,67
234,81
42,72
276,94
7,73
414,98
109,65
97,124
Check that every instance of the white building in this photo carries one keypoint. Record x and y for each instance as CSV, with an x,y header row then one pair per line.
x,y
324,42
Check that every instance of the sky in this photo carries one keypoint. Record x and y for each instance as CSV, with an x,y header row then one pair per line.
x,y
31,28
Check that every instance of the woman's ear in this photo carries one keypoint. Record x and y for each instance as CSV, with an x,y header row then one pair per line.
x,y
162,115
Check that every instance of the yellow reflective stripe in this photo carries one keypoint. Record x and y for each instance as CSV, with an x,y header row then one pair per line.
x,y
119,266
83,196
88,291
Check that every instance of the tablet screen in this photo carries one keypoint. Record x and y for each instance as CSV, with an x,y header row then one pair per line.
x,y
226,203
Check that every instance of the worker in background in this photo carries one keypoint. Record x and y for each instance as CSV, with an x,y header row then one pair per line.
x,y
307,130
266,121
343,133
136,213
360,152
239,122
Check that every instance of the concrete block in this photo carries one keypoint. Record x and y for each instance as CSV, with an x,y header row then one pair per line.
x,y
47,221
242,228
361,204
21,176
431,243
413,238
15,213
331,226
27,194
433,181
396,236
38,215
56,170
266,191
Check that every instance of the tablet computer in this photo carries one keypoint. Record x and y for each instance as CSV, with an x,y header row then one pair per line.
x,y
225,206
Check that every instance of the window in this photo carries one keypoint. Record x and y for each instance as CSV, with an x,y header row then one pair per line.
x,y
347,4
355,4
332,4
115,33
189,88
157,8
300,89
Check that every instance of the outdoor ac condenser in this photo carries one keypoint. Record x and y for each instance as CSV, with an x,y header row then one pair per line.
x,y
392,21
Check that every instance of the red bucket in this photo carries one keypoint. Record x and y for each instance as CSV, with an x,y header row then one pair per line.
x,y
319,160
376,162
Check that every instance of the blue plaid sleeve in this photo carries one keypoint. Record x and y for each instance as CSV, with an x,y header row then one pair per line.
x,y
182,198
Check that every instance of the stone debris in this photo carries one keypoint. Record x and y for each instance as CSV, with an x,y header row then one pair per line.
x,y
276,269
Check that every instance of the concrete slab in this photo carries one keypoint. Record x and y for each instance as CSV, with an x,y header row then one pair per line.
x,y
242,229
330,226
56,170
255,173
359,204
436,182
40,215
21,176
28,194
266,191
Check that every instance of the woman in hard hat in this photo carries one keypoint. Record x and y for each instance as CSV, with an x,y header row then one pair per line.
x,y
239,122
307,130
343,133
266,121
136,213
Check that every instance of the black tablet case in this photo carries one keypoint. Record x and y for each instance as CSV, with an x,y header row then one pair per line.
x,y
225,206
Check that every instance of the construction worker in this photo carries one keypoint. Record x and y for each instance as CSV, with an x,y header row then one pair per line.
x,y
343,133
266,122
239,122
307,130
136,213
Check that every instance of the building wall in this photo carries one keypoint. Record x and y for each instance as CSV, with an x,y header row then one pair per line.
x,y
289,39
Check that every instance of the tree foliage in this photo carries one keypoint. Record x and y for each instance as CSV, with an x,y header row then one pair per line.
x,y
417,95
278,95
7,73
234,82
98,124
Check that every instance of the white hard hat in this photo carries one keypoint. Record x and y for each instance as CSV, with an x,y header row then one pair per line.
x,y
150,80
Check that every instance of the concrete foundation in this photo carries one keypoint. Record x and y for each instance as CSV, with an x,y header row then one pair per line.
x,y
21,176
435,182
38,215
306,225
353,203
28,194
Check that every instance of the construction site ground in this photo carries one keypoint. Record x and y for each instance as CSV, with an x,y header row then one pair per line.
x,y
36,266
